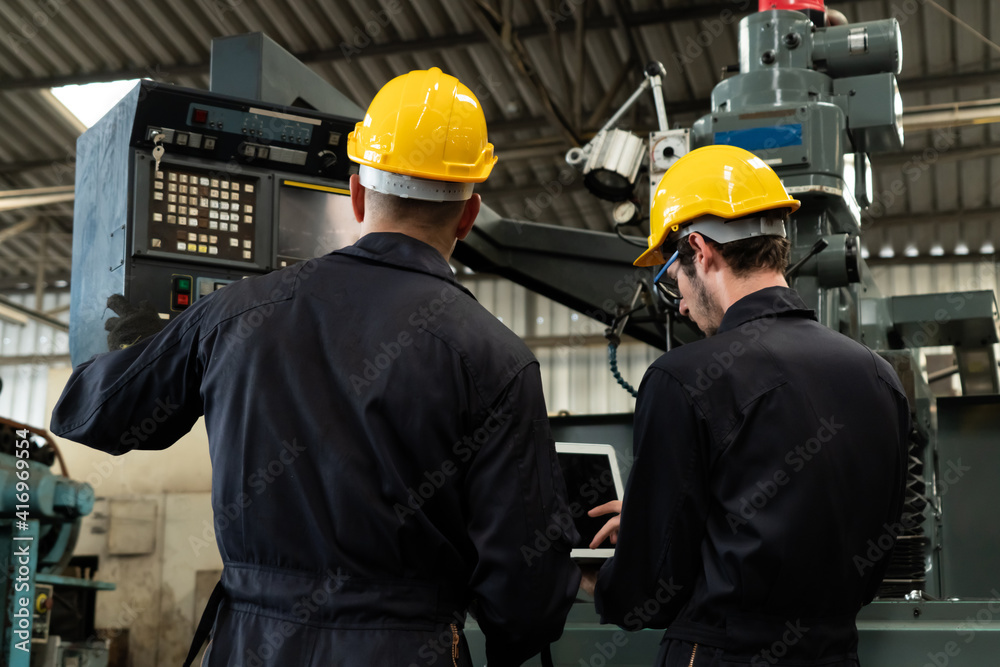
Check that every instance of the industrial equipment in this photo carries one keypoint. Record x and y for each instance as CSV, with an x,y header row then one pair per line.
x,y
180,192
40,516
810,100
813,102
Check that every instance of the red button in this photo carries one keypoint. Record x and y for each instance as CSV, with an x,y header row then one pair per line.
x,y
200,115
182,299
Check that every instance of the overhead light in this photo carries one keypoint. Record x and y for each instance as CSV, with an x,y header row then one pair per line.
x,y
89,102
937,250
610,163
864,252
887,252
953,114
987,248
961,248
13,317
911,251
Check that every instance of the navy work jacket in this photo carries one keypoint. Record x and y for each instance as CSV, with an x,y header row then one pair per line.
x,y
769,458
380,455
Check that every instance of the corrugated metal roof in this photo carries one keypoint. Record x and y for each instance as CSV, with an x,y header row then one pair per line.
x,y
948,196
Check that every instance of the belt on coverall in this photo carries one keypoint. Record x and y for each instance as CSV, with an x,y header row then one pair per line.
x,y
352,602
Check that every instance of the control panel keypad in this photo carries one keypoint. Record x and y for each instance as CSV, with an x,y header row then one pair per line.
x,y
207,205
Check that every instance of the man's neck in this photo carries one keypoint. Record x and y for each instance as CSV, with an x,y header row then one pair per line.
x,y
735,289
436,238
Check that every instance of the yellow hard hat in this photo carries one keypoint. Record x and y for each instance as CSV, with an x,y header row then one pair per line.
x,y
425,124
722,181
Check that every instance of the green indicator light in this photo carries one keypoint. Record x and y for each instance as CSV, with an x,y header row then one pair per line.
x,y
184,284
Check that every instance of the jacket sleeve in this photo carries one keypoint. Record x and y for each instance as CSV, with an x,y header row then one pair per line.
x,y
524,581
143,397
664,512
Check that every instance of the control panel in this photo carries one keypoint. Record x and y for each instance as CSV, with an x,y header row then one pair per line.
x,y
181,192
195,213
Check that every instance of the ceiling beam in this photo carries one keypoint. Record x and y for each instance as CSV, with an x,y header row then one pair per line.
x,y
34,314
22,166
507,192
987,214
737,8
931,155
27,197
34,359
519,65
17,228
902,260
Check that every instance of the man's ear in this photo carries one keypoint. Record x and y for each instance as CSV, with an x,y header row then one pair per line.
x,y
706,255
469,215
357,198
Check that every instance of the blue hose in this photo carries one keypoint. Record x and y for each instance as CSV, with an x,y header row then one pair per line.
x,y
613,360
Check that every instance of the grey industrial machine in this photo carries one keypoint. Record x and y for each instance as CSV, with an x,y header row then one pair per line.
x,y
812,102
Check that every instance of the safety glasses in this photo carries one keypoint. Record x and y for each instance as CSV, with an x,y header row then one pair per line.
x,y
668,285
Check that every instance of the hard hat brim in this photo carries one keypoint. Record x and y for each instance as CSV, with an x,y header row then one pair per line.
x,y
653,256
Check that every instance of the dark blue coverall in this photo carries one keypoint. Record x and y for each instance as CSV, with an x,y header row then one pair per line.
x,y
769,459
380,453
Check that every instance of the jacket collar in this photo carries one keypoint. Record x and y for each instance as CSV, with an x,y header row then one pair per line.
x,y
768,302
404,252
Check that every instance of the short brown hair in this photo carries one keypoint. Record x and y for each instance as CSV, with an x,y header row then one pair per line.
x,y
428,213
758,253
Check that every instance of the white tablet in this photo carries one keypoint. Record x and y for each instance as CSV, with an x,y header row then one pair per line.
x,y
592,479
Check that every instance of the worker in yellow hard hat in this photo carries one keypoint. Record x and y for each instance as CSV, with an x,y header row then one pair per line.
x,y
381,454
769,456
720,194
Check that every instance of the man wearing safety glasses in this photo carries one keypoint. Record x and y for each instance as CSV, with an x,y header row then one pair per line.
x,y
767,456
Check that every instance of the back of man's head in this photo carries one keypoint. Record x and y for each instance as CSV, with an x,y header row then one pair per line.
x,y
743,257
383,209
